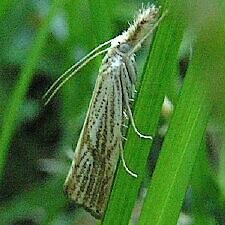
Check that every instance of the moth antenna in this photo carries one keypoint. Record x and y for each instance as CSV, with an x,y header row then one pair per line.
x,y
124,163
147,35
72,74
75,65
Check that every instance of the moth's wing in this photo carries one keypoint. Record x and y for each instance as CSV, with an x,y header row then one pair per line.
x,y
91,175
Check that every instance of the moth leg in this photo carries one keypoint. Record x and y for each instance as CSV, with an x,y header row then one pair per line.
x,y
124,163
126,99
125,115
124,125
125,139
132,69
131,72
134,126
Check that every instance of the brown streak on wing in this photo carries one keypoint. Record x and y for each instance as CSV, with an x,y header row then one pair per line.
x,y
89,181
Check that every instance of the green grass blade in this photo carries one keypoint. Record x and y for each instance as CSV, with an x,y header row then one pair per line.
x,y
4,7
157,75
173,170
177,157
203,189
11,112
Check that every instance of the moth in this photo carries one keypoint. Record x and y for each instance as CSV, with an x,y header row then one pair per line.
x,y
100,144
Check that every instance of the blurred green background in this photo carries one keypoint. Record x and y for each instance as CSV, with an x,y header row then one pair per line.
x,y
39,40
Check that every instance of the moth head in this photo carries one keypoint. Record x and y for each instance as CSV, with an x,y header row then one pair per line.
x,y
142,26
120,43
124,48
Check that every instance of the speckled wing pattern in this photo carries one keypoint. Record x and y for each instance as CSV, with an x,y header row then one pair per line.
x,y
91,175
